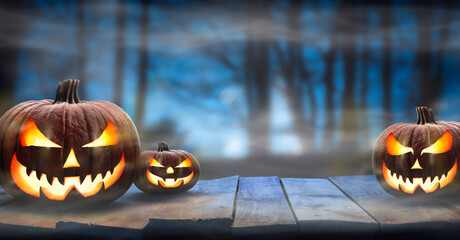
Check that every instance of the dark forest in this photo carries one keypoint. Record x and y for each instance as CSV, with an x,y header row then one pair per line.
x,y
288,88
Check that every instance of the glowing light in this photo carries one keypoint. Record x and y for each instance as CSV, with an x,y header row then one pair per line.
x,y
168,182
443,144
154,163
185,163
71,160
430,185
416,165
31,136
170,170
396,148
31,184
108,137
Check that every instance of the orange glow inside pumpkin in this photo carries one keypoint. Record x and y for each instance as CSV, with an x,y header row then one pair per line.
x,y
71,160
31,184
169,182
396,148
406,185
31,136
442,145
108,137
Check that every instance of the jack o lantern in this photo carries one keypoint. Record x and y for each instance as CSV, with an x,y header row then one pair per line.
x,y
417,158
166,171
66,150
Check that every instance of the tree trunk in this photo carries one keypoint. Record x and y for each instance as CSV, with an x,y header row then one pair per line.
x,y
9,48
444,33
295,74
119,45
347,43
386,64
257,88
143,65
81,46
330,58
429,87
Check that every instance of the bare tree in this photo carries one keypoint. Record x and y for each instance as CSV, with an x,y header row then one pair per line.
x,y
429,87
386,62
9,47
143,65
347,45
292,67
118,90
257,80
443,38
81,45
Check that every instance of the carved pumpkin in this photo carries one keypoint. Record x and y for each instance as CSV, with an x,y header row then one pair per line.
x,y
417,158
166,171
66,150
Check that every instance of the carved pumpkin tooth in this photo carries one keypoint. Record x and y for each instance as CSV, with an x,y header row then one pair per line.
x,y
39,174
49,177
424,178
60,178
442,178
411,180
28,171
427,180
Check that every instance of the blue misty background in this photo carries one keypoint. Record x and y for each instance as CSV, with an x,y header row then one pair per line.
x,y
251,87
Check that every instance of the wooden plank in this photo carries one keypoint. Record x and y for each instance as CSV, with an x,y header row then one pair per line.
x,y
25,220
396,214
262,208
320,207
450,198
207,208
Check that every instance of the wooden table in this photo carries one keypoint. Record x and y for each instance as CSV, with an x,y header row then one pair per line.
x,y
246,207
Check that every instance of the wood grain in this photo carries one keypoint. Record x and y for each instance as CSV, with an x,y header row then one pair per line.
x,y
320,207
207,207
396,214
262,208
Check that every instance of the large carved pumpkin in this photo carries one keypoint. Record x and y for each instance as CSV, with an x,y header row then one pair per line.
x,y
417,158
66,150
166,171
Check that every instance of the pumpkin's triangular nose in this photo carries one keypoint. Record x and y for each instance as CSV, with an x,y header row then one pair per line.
x,y
416,165
71,160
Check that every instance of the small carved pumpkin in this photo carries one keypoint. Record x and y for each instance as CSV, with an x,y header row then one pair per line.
x,y
66,150
166,171
417,158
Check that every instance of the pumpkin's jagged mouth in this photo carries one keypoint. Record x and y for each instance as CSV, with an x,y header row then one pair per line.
x,y
32,185
168,182
397,182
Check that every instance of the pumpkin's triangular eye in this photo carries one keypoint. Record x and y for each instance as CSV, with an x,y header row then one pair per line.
x,y
185,163
31,136
154,163
442,145
396,148
108,137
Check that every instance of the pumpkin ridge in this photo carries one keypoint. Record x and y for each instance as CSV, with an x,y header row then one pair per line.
x,y
105,119
17,111
125,122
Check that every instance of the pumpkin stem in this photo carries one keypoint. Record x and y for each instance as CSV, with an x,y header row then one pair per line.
x,y
162,146
67,91
424,115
